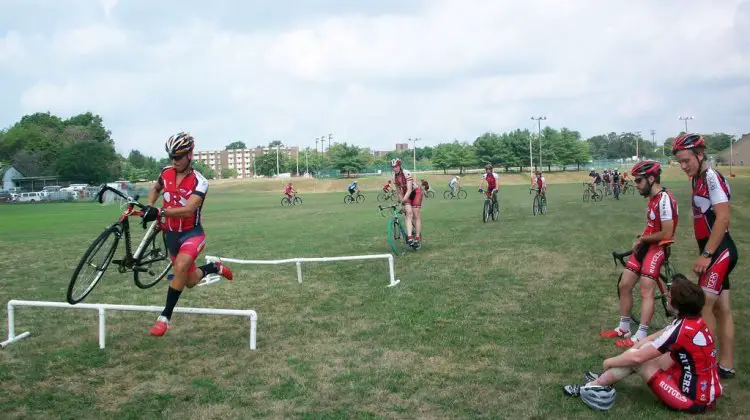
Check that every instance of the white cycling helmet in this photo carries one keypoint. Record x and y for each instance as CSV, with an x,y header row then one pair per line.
x,y
180,143
598,397
395,162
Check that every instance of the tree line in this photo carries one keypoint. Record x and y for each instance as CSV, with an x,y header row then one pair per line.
x,y
81,148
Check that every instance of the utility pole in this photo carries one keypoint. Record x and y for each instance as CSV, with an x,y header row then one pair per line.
x,y
330,139
653,140
307,168
539,123
316,144
414,152
297,160
686,118
277,160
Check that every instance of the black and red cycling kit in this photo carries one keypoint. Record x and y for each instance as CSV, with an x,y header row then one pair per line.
x,y
691,383
184,234
648,258
709,189
402,181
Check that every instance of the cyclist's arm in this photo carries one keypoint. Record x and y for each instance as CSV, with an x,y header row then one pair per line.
x,y
192,205
720,226
633,357
665,233
153,193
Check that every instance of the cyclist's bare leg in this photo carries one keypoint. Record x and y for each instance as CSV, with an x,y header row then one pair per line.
x,y
408,218
180,268
648,286
725,329
417,222
627,284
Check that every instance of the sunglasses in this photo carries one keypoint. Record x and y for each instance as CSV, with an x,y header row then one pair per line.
x,y
178,157
638,180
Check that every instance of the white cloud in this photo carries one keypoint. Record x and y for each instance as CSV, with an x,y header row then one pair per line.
x,y
452,69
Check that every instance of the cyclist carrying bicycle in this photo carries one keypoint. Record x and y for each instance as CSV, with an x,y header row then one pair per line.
x,y
410,196
490,178
648,254
290,192
183,190
353,187
718,252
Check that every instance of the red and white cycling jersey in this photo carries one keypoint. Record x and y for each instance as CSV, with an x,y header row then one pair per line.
x,y
692,348
708,190
402,181
491,181
174,195
540,181
661,207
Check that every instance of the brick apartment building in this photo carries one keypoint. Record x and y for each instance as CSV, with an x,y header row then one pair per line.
x,y
240,159
740,151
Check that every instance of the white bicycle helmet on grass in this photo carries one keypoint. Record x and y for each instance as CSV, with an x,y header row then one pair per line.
x,y
598,397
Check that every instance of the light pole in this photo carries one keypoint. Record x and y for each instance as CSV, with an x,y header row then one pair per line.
x,y
414,152
277,160
686,118
297,160
653,140
316,144
330,139
539,122
307,168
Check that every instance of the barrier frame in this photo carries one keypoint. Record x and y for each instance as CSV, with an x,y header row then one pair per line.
x,y
103,307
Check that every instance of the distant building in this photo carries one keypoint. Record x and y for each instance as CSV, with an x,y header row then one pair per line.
x,y
8,174
401,147
740,151
380,153
239,159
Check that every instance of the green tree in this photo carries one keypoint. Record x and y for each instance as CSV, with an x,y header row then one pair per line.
x,y
266,163
236,145
441,156
489,149
92,162
228,173
349,158
94,124
718,141
461,155
137,159
205,170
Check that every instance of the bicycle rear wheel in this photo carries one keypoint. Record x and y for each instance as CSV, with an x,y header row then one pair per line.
x,y
382,197
447,195
486,210
430,194
535,205
586,195
348,199
154,262
285,202
462,194
661,316
495,211
543,205
102,250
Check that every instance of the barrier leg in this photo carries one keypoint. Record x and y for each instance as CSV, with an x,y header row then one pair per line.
x,y
299,272
102,330
393,281
12,337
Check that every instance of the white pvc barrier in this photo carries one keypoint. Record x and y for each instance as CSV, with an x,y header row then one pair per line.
x,y
102,307
213,278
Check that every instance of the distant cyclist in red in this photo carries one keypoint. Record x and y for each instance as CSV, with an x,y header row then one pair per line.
x,y
183,190
678,363
648,252
289,191
387,187
718,253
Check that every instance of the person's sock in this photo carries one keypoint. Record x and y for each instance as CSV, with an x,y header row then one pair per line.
x,y
173,295
209,268
642,332
624,324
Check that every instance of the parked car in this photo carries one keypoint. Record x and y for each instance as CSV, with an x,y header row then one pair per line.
x,y
30,197
5,196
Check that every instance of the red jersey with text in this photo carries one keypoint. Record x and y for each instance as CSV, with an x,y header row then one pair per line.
x,y
491,180
539,181
288,189
691,346
403,180
708,190
176,195
661,207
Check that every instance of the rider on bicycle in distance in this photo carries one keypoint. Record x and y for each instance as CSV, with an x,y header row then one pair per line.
x,y
353,188
540,184
290,192
490,178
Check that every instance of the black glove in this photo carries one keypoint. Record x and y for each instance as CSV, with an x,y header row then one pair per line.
x,y
150,214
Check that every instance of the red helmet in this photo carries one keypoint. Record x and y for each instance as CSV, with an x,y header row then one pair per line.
x,y
646,168
688,142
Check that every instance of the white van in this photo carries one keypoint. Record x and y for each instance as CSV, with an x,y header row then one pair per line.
x,y
30,197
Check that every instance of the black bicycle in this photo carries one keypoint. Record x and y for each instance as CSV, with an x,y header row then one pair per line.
x,y
149,263
491,209
663,284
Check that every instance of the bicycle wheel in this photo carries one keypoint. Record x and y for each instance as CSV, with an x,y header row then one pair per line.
x,y
297,201
394,236
382,197
543,206
586,195
430,194
154,262
486,210
495,211
360,198
285,202
447,195
80,284
599,195
661,316
535,205
462,194
617,193
348,199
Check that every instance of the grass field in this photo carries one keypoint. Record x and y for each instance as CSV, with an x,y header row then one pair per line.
x,y
488,322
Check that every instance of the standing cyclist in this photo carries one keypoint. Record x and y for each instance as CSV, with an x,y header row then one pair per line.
x,y
183,190
718,252
648,252
410,195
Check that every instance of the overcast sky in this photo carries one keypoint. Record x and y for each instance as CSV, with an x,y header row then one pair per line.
x,y
375,72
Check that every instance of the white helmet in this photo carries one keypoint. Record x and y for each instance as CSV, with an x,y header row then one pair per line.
x,y
598,397
180,143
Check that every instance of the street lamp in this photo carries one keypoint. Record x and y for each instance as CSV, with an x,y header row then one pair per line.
x,y
539,122
414,155
686,118
277,160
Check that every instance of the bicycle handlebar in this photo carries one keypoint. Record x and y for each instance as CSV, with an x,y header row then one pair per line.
x,y
621,256
382,207
130,200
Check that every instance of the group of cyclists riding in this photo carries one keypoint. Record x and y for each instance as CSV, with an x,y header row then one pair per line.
x,y
611,179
